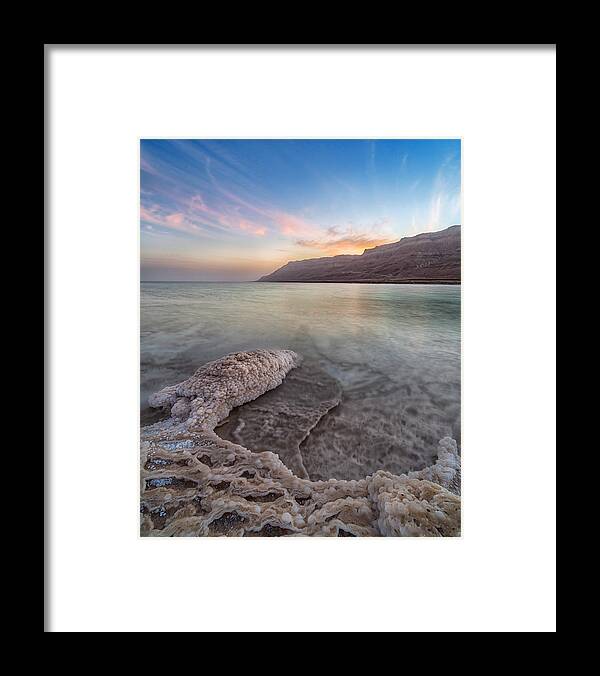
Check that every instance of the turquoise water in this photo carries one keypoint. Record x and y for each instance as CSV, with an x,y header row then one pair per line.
x,y
394,348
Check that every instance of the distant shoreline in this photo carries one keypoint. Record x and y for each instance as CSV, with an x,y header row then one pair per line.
x,y
362,281
429,282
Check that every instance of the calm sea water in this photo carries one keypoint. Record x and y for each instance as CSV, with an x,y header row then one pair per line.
x,y
394,348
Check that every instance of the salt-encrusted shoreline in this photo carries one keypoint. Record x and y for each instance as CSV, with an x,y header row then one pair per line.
x,y
193,483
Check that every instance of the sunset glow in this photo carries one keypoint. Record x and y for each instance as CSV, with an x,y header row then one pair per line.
x,y
235,210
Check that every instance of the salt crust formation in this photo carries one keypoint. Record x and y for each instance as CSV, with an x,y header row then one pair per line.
x,y
194,483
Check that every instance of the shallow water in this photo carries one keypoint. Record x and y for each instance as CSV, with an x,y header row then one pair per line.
x,y
395,349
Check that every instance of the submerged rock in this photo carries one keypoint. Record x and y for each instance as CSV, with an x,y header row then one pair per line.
x,y
280,420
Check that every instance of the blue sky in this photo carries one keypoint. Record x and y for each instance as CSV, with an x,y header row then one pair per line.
x,y
234,210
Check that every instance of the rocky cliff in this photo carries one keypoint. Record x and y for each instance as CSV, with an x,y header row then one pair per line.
x,y
428,258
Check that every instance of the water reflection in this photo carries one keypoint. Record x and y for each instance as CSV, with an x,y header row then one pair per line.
x,y
395,348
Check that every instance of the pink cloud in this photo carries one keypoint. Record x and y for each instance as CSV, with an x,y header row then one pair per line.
x,y
178,221
294,226
175,219
146,166
354,244
194,215
150,215
248,226
337,240
197,203
229,215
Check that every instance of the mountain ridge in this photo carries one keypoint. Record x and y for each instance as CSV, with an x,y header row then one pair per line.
x,y
426,258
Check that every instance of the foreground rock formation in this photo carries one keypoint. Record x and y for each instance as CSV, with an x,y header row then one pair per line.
x,y
194,483
428,258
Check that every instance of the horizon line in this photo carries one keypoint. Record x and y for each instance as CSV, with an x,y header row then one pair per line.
x,y
246,281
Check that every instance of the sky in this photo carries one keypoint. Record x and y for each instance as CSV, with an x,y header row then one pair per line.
x,y
233,210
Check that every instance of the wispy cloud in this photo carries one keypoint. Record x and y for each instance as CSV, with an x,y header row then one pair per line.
x,y
248,226
177,221
339,240
436,210
294,226
445,195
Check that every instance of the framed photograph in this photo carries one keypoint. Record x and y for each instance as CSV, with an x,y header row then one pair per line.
x,y
300,337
